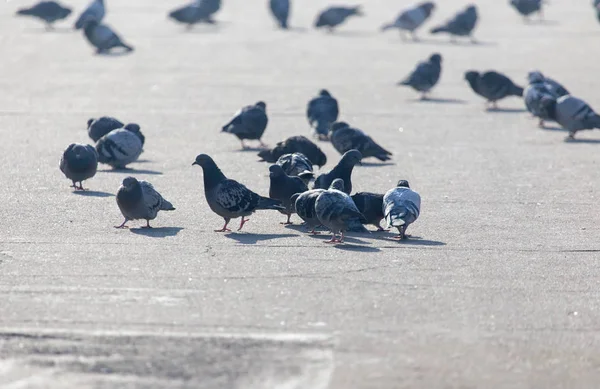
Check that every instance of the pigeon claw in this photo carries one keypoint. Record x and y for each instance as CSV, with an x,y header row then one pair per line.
x,y
224,229
244,220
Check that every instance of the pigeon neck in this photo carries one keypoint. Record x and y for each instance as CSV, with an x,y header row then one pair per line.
x,y
342,170
474,84
212,177
130,196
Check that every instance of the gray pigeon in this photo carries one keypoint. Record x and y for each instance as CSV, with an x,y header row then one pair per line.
x,y
295,144
48,11
139,200
304,206
199,11
371,206
103,38
79,162
281,11
527,7
321,112
425,75
282,187
571,113
95,12
342,170
336,211
345,138
462,24
553,86
401,207
539,87
228,198
97,128
249,122
492,86
411,19
119,148
334,16
297,165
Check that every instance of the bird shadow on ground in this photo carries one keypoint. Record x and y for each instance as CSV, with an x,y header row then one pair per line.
x,y
43,30
553,128
505,110
542,22
119,53
156,232
388,236
296,29
143,161
376,164
92,193
439,100
255,238
589,141
324,236
250,150
462,42
351,33
130,171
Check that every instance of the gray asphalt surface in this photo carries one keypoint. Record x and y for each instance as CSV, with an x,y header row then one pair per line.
x,y
498,289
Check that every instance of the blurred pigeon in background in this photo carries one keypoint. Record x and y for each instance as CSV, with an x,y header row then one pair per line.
x,y
344,138
425,76
539,87
597,8
527,7
199,11
48,11
492,86
139,200
119,148
249,122
401,207
94,12
304,206
462,24
297,165
282,187
79,162
321,112
342,170
334,16
295,144
371,206
97,128
281,11
571,113
411,19
103,38
553,86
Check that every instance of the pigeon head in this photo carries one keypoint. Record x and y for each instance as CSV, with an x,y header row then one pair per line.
x,y
471,76
324,93
130,182
132,127
435,58
471,9
267,156
351,158
338,126
535,76
427,7
212,174
204,161
276,171
89,122
261,104
403,184
337,184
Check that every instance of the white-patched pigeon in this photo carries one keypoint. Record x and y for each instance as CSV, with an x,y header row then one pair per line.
x,y
401,207
137,199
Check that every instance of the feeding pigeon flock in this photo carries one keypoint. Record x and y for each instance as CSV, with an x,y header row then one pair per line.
x,y
139,200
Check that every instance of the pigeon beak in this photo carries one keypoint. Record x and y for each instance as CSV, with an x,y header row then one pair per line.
x,y
195,163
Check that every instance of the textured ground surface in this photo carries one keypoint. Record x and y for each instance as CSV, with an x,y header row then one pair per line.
x,y
499,291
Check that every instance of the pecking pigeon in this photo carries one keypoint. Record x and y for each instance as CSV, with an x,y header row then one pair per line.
x,y
95,12
79,162
139,200
425,76
103,38
321,112
344,138
304,206
342,170
48,11
334,16
281,11
200,11
462,24
249,123
295,144
571,113
119,148
401,207
539,87
371,206
282,187
411,19
297,165
492,86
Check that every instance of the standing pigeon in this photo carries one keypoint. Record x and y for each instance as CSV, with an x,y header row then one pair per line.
x,y
139,200
295,144
462,24
425,75
401,207
97,128
492,86
228,198
119,148
297,165
342,170
304,206
539,87
282,188
249,123
527,7
336,210
103,38
199,11
344,138
321,112
553,86
94,12
334,16
48,11
371,206
571,113
79,162
411,19
281,11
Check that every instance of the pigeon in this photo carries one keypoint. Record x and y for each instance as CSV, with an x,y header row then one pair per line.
x,y
597,8
48,11
553,86
344,138
295,144
297,165
425,75
228,198
282,188
94,12
371,206
401,207
200,11
97,128
462,24
281,12
539,87
249,123
137,199
304,206
334,16
492,86
79,162
571,113
119,148
342,170
321,112
336,211
527,7
411,19
103,38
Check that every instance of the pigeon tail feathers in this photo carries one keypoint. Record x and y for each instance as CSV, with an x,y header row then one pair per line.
x,y
267,203
166,206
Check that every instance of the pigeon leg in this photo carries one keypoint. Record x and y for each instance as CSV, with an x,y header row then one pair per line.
x,y
189,27
333,239
243,144
224,229
341,240
288,220
541,123
147,224
494,105
473,40
80,187
571,136
244,220
379,228
414,36
400,235
123,224
424,96
313,232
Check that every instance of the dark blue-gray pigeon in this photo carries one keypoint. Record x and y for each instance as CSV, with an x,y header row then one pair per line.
x,y
97,128
553,86
295,144
48,11
425,76
411,19
401,207
79,162
336,211
119,148
321,112
304,206
199,11
342,170
94,12
282,187
249,123
571,113
137,199
281,11
103,38
345,138
297,165
371,206
334,16
527,7
228,198
462,24
539,87
492,86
